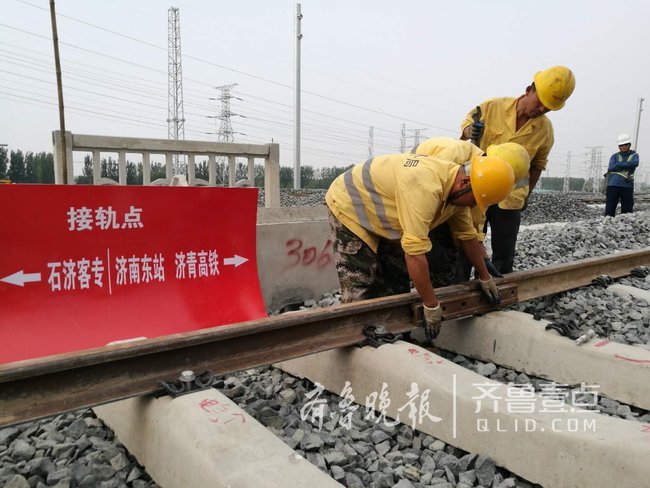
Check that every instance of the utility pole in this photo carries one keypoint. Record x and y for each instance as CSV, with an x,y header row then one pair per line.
x,y
638,123
402,139
175,111
296,130
371,141
567,173
59,85
594,160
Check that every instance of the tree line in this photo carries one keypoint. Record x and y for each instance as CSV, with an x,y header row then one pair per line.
x,y
32,167
26,167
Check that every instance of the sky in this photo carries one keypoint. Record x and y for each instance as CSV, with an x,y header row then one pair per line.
x,y
365,64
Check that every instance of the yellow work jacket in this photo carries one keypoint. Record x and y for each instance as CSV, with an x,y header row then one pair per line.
x,y
536,135
459,152
399,196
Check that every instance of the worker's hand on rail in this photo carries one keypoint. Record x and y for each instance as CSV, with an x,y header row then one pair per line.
x,y
432,321
492,269
491,291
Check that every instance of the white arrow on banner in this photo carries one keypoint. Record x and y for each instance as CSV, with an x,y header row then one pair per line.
x,y
235,261
19,278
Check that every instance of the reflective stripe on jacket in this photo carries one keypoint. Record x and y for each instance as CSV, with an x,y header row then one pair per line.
x,y
621,168
399,196
459,152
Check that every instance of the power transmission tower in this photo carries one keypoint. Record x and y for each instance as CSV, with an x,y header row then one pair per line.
x,y
594,160
567,173
225,133
402,139
175,111
417,133
371,141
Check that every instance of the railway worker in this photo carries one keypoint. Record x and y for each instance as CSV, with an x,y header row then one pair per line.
x,y
402,197
521,120
620,177
459,152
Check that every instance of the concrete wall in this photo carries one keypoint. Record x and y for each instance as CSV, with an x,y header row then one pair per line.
x,y
294,255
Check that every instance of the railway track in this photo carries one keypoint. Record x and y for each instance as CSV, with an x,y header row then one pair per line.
x,y
43,387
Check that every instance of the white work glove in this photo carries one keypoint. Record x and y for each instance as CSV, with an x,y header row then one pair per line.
x,y
432,321
491,291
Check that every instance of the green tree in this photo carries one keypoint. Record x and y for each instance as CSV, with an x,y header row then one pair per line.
x,y
201,170
306,176
17,166
133,176
286,177
3,163
110,169
157,171
86,177
30,170
259,175
44,167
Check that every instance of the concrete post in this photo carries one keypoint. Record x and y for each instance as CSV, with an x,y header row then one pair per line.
x,y
97,167
121,161
251,169
272,177
169,166
231,170
212,170
191,169
146,168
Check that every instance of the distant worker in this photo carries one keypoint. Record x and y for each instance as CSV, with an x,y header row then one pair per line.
x,y
459,152
519,120
401,197
620,177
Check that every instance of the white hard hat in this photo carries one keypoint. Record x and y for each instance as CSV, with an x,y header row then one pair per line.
x,y
624,139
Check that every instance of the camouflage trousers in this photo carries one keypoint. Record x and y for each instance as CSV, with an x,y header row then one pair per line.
x,y
365,274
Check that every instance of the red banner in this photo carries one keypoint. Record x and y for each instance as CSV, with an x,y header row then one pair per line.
x,y
82,266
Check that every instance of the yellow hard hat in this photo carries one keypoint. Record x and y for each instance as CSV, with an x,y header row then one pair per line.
x,y
515,155
554,86
492,180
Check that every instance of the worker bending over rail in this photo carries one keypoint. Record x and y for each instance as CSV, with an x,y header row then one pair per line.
x,y
519,120
402,197
459,152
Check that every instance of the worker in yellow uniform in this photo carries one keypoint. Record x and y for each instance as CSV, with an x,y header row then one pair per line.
x,y
521,120
459,152
401,197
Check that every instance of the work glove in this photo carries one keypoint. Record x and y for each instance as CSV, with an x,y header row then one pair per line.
x,y
492,269
432,322
525,203
477,130
491,291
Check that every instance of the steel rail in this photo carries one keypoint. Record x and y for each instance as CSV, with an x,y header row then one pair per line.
x,y
42,387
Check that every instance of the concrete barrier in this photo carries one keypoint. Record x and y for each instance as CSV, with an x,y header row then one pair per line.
x,y
516,340
627,291
205,440
561,449
294,255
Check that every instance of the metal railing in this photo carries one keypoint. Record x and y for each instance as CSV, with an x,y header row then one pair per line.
x,y
170,148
